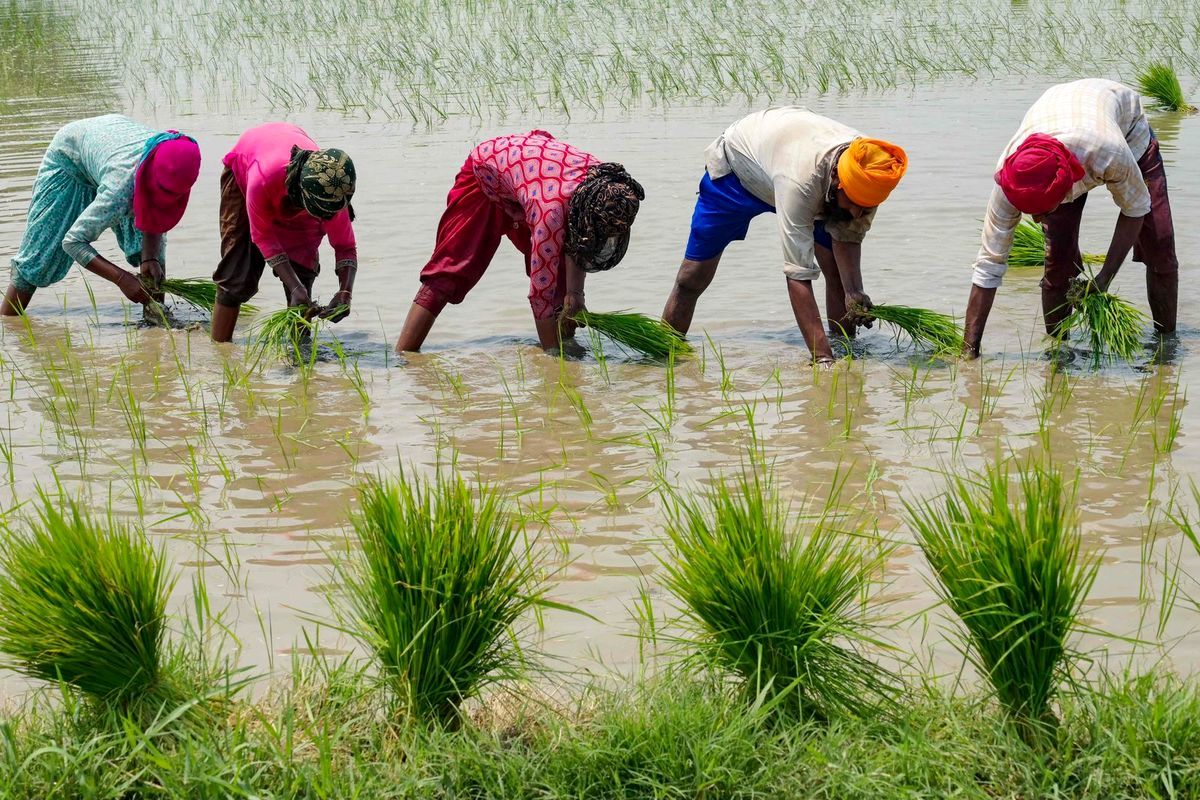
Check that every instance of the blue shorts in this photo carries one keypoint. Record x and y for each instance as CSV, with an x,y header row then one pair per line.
x,y
723,212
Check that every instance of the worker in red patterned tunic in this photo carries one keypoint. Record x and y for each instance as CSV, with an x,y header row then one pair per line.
x,y
566,211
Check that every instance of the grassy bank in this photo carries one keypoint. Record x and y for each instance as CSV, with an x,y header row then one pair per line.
x,y
676,736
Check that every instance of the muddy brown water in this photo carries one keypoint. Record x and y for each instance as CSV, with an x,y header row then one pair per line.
x,y
251,486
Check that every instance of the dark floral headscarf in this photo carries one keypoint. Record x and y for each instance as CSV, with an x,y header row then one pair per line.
x,y
320,181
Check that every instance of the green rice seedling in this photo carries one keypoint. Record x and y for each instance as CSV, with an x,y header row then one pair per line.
x,y
773,604
284,335
636,333
1007,558
939,332
1029,246
1160,83
443,579
1113,327
84,602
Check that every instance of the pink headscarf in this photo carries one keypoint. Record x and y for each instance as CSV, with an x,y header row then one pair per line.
x,y
164,182
1039,174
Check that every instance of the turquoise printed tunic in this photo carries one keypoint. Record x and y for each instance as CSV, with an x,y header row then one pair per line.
x,y
84,186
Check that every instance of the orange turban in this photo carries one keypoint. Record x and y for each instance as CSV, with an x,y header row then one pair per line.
x,y
870,169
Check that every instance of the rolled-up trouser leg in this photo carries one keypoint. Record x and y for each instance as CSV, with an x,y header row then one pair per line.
x,y
1155,246
1064,262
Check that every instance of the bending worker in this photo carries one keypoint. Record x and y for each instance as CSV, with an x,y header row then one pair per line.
x,y
100,173
1076,137
280,197
823,181
565,210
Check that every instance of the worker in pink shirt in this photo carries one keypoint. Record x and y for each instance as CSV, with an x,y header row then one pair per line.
x,y
563,209
280,197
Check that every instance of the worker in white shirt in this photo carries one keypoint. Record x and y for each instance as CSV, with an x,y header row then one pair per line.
x,y
823,180
1076,137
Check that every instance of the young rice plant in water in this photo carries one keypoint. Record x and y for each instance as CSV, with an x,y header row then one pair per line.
x,y
931,329
1114,327
443,576
1006,556
778,606
1159,82
636,333
85,602
1029,246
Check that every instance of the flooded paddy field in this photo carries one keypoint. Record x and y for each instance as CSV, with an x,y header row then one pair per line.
x,y
246,474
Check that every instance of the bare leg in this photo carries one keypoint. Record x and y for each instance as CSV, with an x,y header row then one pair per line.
x,y
15,302
416,327
835,295
691,281
224,320
1162,292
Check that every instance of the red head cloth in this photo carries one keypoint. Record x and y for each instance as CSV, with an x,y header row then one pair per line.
x,y
1039,174
164,182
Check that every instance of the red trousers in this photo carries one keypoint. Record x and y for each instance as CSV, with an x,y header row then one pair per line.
x,y
467,238
1155,246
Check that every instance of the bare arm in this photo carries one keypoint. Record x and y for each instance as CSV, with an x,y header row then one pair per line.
x,y
1124,236
848,256
808,317
979,305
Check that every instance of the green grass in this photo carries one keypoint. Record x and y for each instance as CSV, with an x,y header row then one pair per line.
x,y
1007,559
773,602
930,329
439,589
1029,246
1113,327
636,333
1160,83
84,602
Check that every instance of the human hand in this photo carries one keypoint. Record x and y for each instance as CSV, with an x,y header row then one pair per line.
x,y
858,309
573,303
131,286
1081,287
299,297
338,308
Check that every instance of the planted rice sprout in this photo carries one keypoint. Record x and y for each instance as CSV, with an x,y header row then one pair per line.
x,y
84,602
931,329
636,333
1029,246
1113,327
1160,83
1007,559
777,604
439,589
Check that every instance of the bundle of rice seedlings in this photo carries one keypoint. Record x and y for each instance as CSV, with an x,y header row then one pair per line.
x,y
1159,82
779,607
1029,246
200,293
1007,560
1114,327
443,577
939,332
636,333
84,603
285,334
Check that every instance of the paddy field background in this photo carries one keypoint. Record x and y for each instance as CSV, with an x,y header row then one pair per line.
x,y
247,476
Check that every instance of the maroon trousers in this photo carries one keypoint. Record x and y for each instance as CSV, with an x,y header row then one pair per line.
x,y
1155,248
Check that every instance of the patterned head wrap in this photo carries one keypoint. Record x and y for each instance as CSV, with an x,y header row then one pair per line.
x,y
599,216
320,181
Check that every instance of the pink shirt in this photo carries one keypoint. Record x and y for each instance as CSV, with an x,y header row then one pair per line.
x,y
532,176
259,161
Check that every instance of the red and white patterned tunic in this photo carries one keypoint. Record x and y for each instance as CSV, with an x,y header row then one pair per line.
x,y
532,176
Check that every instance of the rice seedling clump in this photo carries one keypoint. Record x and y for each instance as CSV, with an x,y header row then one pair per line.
x,y
1006,556
636,333
1160,83
931,329
1029,246
1114,328
777,606
443,577
84,602
286,334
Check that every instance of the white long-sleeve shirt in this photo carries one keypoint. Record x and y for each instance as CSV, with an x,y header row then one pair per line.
x,y
1103,124
786,158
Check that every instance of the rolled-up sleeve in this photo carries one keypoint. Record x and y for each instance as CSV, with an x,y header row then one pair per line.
x,y
110,205
999,226
1124,180
341,237
796,215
